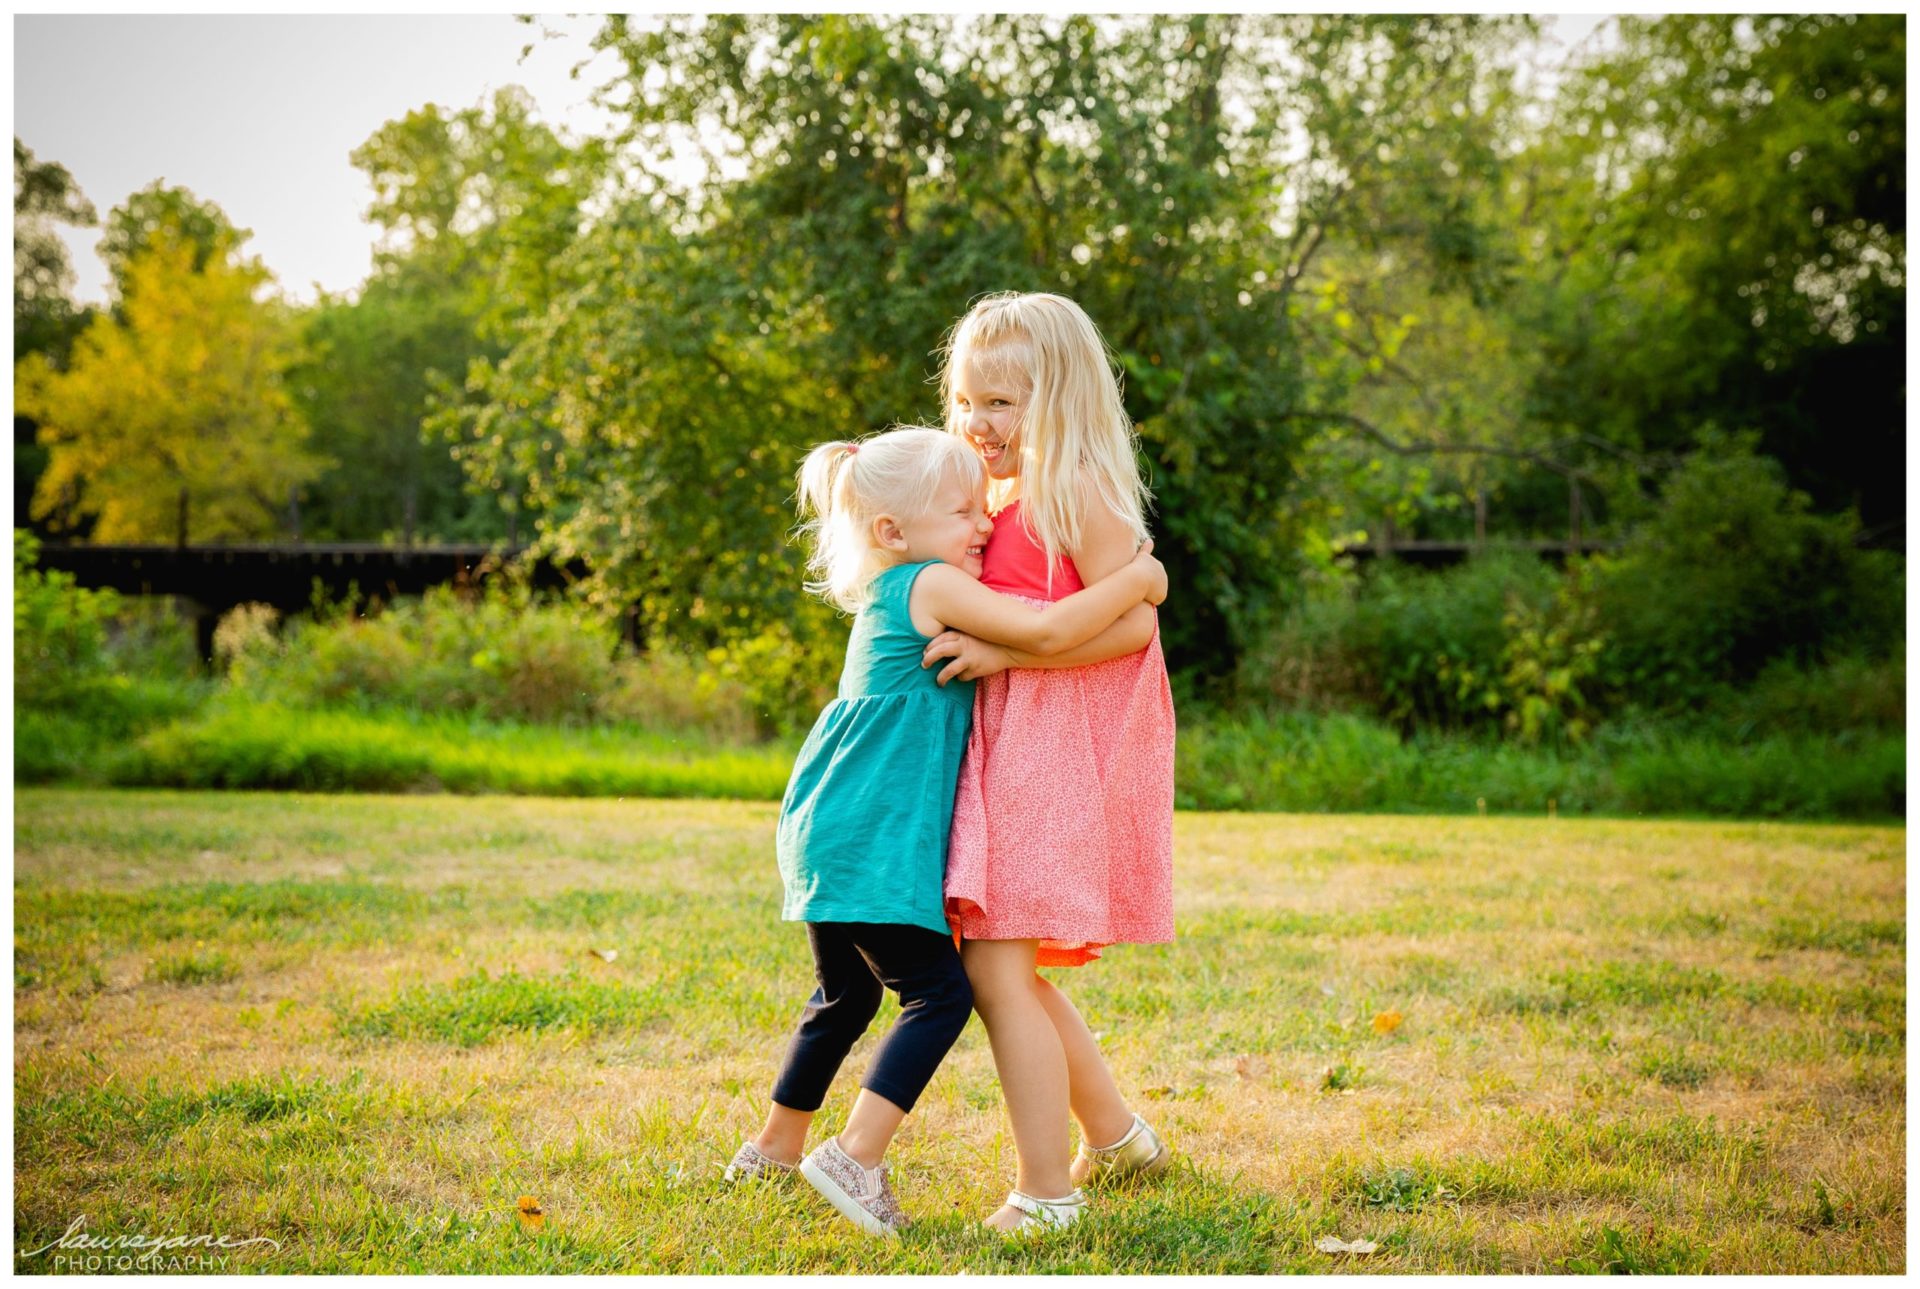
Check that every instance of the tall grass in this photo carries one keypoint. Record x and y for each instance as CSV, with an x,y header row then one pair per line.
x,y
1287,761
1300,761
243,745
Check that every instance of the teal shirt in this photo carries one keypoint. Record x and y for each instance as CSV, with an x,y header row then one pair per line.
x,y
863,826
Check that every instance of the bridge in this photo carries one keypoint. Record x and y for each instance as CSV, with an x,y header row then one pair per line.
x,y
210,580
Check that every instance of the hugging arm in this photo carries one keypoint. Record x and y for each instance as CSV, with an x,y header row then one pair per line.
x,y
973,658
959,602
1107,546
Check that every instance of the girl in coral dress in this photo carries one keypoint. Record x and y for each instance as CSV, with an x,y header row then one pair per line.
x,y
1062,835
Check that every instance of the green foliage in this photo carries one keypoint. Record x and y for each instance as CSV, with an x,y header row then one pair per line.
x,y
1730,578
1497,639
170,423
500,655
44,195
1851,692
1403,1190
367,376
1434,643
910,165
59,629
193,967
1778,777
158,214
474,208
1716,210
1551,661
1615,1252
84,676
1733,572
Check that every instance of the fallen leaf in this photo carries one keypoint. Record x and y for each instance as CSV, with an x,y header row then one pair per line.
x,y
532,1216
605,955
1248,1068
1160,1093
1334,1244
1386,1022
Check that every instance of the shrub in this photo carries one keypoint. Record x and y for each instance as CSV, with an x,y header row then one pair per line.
x,y
1550,662
786,675
501,656
1851,692
244,635
1435,643
663,689
1733,572
59,630
1306,663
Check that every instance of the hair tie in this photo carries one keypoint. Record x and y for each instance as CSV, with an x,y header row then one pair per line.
x,y
853,449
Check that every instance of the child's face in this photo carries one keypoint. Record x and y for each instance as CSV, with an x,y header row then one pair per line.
x,y
987,406
953,529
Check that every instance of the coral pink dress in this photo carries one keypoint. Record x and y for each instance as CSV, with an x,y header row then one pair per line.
x,y
1063,821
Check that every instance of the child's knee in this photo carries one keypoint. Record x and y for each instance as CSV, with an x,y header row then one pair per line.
x,y
852,1007
996,990
957,996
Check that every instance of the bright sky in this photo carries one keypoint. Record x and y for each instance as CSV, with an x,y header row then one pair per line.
x,y
259,114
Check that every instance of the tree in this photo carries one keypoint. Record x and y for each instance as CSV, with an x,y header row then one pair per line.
x,y
44,195
159,211
1720,240
170,423
872,177
472,207
45,320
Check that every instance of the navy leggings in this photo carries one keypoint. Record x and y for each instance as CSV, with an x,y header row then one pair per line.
x,y
853,961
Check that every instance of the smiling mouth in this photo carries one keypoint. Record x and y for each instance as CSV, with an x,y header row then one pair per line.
x,y
977,552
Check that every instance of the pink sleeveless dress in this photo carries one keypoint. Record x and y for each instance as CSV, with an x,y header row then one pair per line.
x,y
1063,820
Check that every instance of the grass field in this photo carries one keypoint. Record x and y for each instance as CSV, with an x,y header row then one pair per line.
x,y
364,1026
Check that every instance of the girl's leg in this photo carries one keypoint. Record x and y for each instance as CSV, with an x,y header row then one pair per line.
x,y
935,1000
784,1135
1031,1061
1101,1111
836,1016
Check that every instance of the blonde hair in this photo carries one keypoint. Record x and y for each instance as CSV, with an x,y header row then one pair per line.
x,y
845,486
1073,431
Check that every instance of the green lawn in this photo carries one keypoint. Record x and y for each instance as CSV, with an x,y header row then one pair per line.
x,y
364,1026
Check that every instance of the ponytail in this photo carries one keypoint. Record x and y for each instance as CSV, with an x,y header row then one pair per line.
x,y
844,486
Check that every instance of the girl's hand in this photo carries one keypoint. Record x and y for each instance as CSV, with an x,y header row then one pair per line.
x,y
1156,573
972,659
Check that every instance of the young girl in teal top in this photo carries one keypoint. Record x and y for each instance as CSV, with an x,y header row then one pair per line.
x,y
898,525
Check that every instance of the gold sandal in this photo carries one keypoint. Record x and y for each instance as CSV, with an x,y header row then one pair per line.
x,y
1140,1153
1039,1215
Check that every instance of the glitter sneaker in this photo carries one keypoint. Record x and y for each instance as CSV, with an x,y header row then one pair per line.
x,y
863,1195
749,1164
